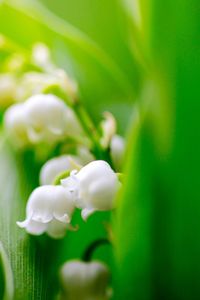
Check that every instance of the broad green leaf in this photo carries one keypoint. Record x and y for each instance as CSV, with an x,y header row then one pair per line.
x,y
157,225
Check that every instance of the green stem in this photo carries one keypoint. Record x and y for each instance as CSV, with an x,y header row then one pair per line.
x,y
89,128
93,246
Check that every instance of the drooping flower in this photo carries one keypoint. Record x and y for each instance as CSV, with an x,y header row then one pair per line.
x,y
117,148
49,118
63,163
45,118
53,167
94,187
85,280
16,125
49,209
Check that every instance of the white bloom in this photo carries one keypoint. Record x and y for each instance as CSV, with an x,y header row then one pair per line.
x,y
49,209
15,123
49,118
7,89
85,280
94,187
117,148
45,118
53,167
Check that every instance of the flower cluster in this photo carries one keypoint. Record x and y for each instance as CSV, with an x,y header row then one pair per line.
x,y
43,111
92,188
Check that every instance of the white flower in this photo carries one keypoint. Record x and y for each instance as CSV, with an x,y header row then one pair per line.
x,y
42,118
85,280
49,119
49,209
15,124
94,187
7,89
55,166
117,148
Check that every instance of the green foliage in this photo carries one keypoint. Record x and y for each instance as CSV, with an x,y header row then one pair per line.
x,y
158,222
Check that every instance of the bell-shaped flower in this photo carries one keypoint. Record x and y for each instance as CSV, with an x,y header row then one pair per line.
x,y
16,126
55,166
85,281
117,149
49,119
94,187
63,163
49,209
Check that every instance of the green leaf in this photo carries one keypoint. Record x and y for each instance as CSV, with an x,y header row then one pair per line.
x,y
158,222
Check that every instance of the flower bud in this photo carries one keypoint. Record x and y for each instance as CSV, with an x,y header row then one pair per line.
x,y
84,280
117,148
49,209
94,187
41,56
108,126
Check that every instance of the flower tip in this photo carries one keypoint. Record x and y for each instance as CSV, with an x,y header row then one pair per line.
x,y
64,219
86,213
22,224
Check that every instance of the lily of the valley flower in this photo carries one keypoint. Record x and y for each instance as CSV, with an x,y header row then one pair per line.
x,y
85,280
94,187
45,118
49,118
16,125
63,163
49,209
117,149
53,167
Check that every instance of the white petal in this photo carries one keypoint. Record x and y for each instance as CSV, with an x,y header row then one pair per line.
x,y
53,168
86,212
36,228
40,204
23,224
64,219
56,229
63,205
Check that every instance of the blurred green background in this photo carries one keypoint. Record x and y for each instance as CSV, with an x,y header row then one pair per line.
x,y
142,65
